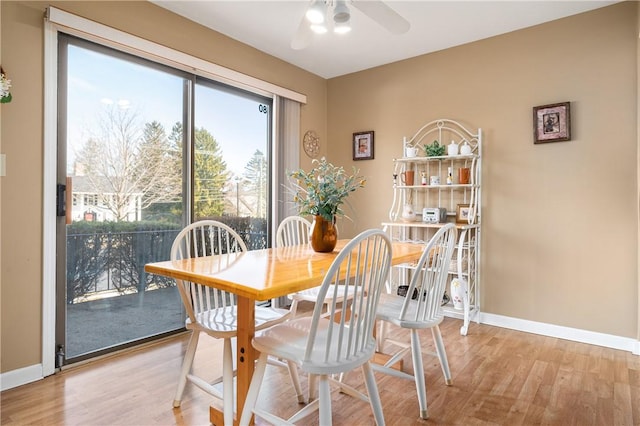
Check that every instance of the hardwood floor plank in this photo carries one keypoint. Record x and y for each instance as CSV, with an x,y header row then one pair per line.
x,y
543,395
586,399
500,377
622,410
604,411
534,415
517,413
532,382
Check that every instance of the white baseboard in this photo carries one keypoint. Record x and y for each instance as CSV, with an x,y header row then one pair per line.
x,y
21,376
561,332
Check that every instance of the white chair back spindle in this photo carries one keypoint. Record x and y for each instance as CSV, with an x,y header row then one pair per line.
x,y
293,231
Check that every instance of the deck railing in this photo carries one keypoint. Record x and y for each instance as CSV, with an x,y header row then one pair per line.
x,y
107,258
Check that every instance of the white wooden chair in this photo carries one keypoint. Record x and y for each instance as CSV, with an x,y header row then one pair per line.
x,y
323,346
294,230
423,312
214,311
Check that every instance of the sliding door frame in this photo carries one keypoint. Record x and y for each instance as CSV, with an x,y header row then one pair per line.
x,y
60,21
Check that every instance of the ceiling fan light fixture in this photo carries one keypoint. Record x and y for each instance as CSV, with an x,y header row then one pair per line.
x,y
342,28
318,28
341,12
315,13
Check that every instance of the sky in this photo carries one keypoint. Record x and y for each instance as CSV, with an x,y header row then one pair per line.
x,y
97,81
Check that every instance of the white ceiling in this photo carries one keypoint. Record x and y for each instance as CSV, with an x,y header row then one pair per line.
x,y
435,25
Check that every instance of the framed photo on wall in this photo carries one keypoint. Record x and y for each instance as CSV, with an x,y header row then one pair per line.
x,y
552,123
363,145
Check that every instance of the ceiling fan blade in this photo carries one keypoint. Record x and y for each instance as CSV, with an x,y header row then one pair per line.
x,y
383,15
302,37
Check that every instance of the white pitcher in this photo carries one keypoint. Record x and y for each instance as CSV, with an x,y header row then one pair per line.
x,y
409,151
465,149
408,215
452,148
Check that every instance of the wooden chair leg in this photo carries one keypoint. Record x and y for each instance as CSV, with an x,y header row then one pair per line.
x,y
374,395
382,335
313,387
254,389
227,382
187,362
293,308
325,400
418,373
442,354
295,380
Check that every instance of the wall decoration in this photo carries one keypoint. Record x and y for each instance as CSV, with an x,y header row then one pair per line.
x,y
311,144
552,123
363,145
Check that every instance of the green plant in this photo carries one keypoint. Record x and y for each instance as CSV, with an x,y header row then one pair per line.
x,y
323,189
434,149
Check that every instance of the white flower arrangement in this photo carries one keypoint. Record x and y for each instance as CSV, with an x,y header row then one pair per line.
x,y
5,85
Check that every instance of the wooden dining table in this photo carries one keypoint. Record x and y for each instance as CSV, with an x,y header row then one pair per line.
x,y
260,275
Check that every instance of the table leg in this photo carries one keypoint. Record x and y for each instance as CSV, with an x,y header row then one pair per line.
x,y
246,357
246,354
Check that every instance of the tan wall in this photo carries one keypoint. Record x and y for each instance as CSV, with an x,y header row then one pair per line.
x,y
22,189
562,265
22,129
560,220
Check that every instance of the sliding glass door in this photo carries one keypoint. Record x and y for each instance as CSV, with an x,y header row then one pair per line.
x,y
231,158
144,149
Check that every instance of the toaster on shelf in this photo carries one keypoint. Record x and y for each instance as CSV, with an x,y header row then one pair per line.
x,y
434,214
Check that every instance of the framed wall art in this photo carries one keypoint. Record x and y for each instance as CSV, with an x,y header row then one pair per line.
x,y
552,123
363,145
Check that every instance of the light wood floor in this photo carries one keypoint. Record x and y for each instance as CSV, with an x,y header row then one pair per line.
x,y
500,377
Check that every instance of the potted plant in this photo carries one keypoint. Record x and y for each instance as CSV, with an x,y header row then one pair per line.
x,y
434,149
321,192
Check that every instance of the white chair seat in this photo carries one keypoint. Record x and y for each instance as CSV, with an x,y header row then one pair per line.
x,y
289,341
391,306
311,294
225,320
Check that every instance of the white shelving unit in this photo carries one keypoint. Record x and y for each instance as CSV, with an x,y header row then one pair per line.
x,y
403,226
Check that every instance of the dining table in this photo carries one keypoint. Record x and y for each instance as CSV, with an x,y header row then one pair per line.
x,y
261,275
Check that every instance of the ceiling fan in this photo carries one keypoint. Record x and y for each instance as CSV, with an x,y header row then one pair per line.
x,y
316,19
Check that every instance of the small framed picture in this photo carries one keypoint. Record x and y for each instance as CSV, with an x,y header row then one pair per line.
x,y
552,123
463,213
363,145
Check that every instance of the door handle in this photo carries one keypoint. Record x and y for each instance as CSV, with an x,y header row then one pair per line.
x,y
61,200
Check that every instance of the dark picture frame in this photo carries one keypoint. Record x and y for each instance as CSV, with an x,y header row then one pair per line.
x,y
363,145
463,211
552,123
